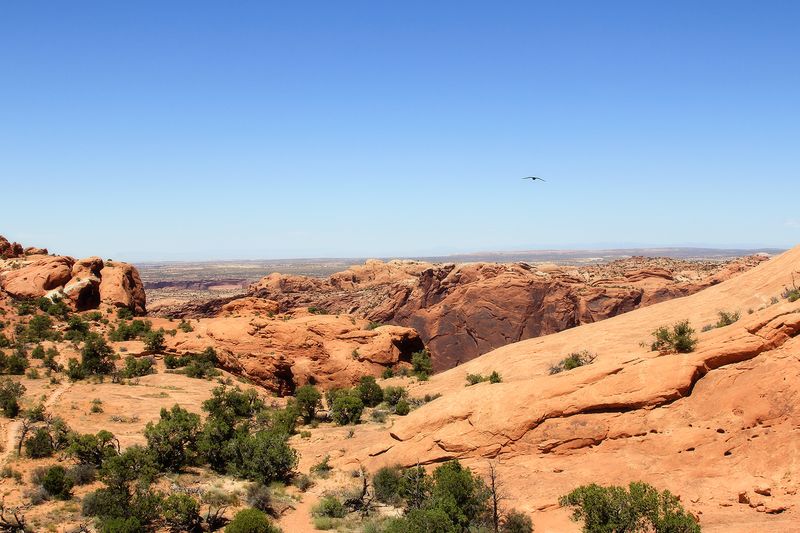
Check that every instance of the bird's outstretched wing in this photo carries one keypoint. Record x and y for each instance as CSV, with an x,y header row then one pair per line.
x,y
533,178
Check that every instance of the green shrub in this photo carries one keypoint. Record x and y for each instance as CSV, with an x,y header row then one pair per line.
x,y
137,366
77,329
93,450
317,310
386,484
329,506
495,377
10,394
38,352
39,444
17,363
422,364
82,474
57,483
402,408
122,525
172,361
185,327
181,512
387,373
369,391
574,360
264,456
373,325
680,338
123,313
474,379
516,522
75,371
154,341
126,331
639,508
392,395
347,408
308,400
726,318
251,521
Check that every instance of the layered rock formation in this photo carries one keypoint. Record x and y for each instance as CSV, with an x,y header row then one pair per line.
x,y
283,352
718,426
85,283
462,311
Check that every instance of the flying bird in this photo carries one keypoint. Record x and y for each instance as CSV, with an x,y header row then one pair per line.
x,y
533,178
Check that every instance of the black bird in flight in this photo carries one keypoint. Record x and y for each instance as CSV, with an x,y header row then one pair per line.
x,y
533,178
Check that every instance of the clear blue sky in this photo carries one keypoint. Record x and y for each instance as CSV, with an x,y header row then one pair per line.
x,y
212,130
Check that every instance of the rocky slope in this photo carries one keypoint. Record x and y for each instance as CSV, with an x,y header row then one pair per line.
x,y
84,283
462,311
719,426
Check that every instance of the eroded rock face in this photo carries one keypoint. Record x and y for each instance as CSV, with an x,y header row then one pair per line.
x,y
84,283
462,311
281,353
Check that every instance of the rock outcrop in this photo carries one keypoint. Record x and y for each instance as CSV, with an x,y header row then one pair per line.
x,y
283,352
9,250
462,311
718,426
84,283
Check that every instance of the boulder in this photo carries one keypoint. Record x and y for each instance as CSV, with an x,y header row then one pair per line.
x,y
121,286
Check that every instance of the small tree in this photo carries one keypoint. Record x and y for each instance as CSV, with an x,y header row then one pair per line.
x,y
308,400
369,391
10,394
154,341
173,439
96,355
347,409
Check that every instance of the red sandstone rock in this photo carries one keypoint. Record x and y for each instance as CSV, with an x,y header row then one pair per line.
x,y
462,311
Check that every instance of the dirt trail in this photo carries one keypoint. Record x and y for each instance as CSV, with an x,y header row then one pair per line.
x,y
299,519
14,428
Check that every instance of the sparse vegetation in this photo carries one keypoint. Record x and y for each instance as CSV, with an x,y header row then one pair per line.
x,y
573,360
680,338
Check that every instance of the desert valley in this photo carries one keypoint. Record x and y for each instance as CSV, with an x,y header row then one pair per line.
x,y
315,399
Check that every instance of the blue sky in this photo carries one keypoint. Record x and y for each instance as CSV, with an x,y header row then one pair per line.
x,y
221,130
